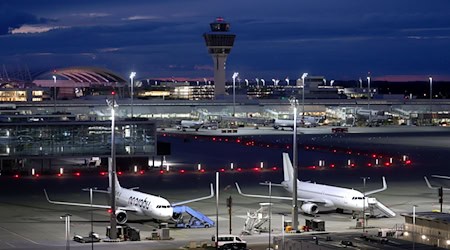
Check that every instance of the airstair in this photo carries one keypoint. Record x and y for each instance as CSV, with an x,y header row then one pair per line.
x,y
197,220
256,219
374,204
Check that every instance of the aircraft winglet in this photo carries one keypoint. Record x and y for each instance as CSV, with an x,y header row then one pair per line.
x,y
197,199
434,187
378,190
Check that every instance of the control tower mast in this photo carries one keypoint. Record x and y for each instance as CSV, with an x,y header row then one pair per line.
x,y
219,42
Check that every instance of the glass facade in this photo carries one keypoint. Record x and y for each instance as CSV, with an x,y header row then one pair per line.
x,y
76,139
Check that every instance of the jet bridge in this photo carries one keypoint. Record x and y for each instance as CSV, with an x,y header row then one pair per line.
x,y
197,220
374,204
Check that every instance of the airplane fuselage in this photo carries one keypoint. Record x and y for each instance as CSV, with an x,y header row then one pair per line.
x,y
332,197
144,204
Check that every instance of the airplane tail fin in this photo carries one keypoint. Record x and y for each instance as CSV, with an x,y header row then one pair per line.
x,y
111,175
288,170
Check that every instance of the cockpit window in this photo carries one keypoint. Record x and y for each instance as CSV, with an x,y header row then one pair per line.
x,y
163,206
357,198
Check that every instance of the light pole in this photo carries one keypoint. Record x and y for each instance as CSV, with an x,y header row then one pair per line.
x,y
112,170
303,96
217,210
132,75
294,103
270,212
368,97
235,74
364,202
54,93
431,98
66,218
430,79
414,227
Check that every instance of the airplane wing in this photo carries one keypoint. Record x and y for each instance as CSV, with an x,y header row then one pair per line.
x,y
85,204
197,199
378,190
271,184
276,197
96,190
441,176
434,187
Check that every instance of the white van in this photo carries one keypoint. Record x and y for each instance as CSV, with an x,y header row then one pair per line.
x,y
229,241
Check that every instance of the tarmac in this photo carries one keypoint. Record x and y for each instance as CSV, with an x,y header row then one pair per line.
x,y
28,221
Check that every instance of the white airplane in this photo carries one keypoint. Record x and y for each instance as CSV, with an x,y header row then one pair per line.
x,y
190,124
312,195
142,204
307,121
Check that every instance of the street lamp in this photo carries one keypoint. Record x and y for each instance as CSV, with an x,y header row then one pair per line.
x,y
66,218
294,103
132,75
364,202
54,93
263,82
303,96
235,74
287,81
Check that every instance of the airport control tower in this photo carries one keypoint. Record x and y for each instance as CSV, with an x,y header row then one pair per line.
x,y
219,42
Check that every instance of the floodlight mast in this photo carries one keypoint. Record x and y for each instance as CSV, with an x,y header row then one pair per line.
x,y
303,96
294,103
132,75
112,171
235,75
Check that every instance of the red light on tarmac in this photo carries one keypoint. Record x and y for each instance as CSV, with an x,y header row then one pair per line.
x,y
164,135
141,172
222,170
238,140
287,147
374,156
387,164
36,175
369,164
202,170
109,211
352,165
182,171
274,168
59,175
16,176
239,169
408,162
334,150
77,174
312,167
161,171
256,169
332,166
102,173
119,173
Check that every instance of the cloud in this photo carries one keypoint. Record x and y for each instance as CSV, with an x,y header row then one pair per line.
x,y
12,19
92,14
136,18
27,29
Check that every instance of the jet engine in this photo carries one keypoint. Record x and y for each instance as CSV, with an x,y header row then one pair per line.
x,y
309,208
121,216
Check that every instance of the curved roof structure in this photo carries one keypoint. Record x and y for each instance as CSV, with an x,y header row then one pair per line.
x,y
85,75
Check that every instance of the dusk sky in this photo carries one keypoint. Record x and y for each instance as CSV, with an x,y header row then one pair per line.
x,y
401,39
